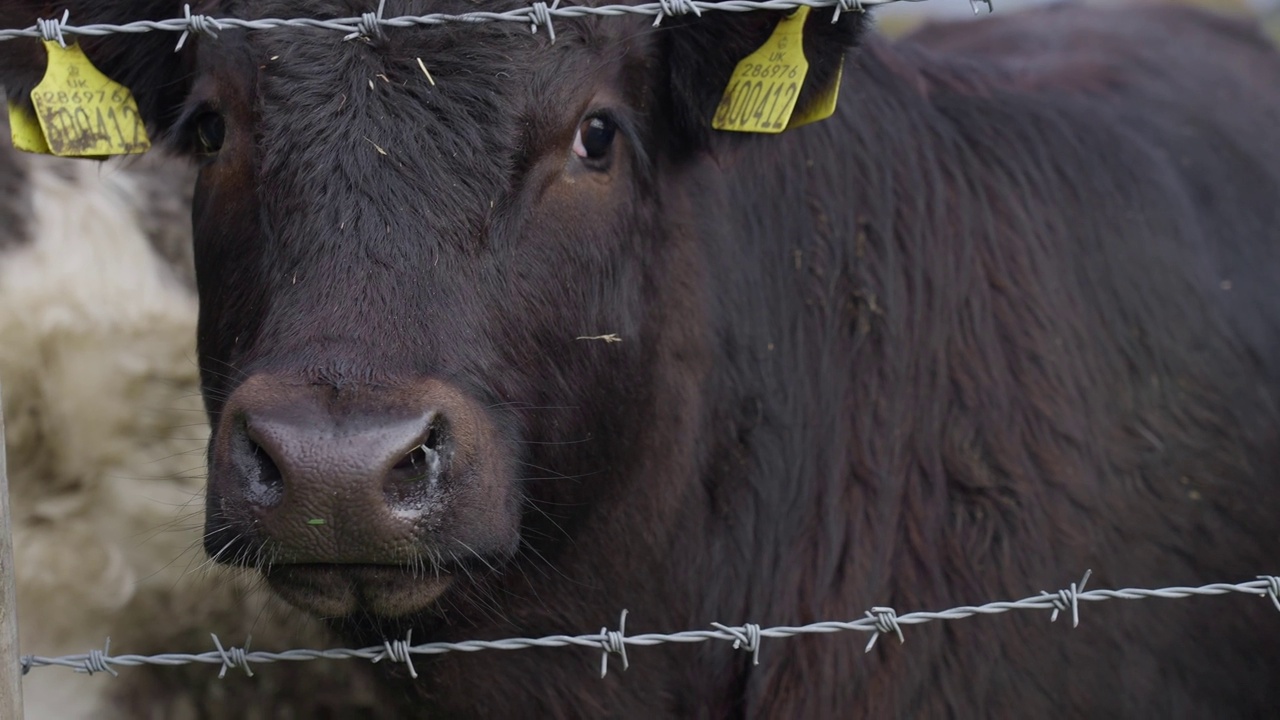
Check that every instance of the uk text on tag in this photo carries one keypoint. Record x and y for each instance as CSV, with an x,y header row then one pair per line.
x,y
84,113
25,130
764,86
823,106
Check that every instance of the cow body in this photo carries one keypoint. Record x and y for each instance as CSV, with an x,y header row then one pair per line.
x,y
1007,316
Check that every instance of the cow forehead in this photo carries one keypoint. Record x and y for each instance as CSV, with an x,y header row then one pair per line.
x,y
424,95
403,146
446,114
462,69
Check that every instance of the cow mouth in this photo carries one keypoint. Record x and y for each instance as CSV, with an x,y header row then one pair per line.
x,y
336,591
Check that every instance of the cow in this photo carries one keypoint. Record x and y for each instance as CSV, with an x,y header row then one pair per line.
x,y
105,435
499,336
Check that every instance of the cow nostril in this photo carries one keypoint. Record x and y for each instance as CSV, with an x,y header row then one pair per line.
x,y
266,487
417,461
424,462
434,434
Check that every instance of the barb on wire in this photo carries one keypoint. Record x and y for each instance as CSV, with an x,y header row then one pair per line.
x,y
746,638
684,7
844,6
886,621
539,15
614,642
235,657
370,24
97,661
1068,599
536,15
398,651
1273,588
197,24
878,621
52,29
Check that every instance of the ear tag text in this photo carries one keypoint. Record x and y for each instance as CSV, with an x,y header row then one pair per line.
x,y
25,129
823,106
763,89
84,113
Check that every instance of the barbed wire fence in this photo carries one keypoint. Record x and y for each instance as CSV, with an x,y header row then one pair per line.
x,y
537,15
878,621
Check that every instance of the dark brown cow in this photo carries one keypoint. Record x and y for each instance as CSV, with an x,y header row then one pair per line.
x,y
1009,315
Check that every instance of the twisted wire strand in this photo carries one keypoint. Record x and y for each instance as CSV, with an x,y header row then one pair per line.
x,y
877,621
536,15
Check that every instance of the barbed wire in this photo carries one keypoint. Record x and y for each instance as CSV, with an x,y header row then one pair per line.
x,y
878,621
536,16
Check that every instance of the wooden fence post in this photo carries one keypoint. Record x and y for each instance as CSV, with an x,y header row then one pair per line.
x,y
10,671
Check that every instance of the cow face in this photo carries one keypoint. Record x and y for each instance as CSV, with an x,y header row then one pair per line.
x,y
413,251
445,214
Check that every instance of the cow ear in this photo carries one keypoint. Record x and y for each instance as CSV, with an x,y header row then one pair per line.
x,y
702,53
145,62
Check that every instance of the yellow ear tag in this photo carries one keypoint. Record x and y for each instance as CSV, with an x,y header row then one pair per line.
x,y
84,113
824,106
25,130
764,86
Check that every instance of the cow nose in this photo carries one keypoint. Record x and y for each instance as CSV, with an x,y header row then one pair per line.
x,y
327,476
401,456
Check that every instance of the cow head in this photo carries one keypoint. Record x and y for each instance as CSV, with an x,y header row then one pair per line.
x,y
401,242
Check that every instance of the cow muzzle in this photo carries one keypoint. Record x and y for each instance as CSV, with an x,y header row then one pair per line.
x,y
358,498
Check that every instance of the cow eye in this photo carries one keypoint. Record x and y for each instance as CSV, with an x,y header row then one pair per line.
x,y
594,138
211,132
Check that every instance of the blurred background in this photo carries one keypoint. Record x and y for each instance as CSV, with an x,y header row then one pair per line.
x,y
900,17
